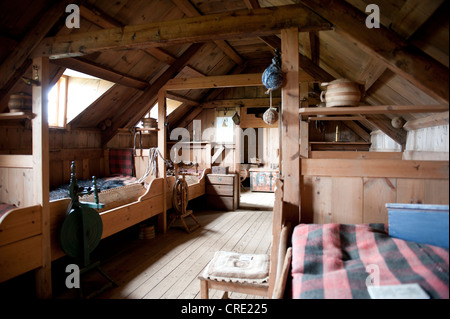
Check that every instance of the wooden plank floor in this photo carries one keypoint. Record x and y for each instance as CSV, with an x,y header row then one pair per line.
x,y
167,266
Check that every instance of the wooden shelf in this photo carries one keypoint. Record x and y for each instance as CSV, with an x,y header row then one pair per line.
x,y
339,146
373,109
16,116
147,129
190,142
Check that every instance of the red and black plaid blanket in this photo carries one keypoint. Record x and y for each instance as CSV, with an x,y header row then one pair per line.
x,y
121,162
4,208
334,261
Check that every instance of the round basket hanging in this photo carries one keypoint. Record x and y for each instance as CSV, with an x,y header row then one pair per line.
x,y
272,77
270,116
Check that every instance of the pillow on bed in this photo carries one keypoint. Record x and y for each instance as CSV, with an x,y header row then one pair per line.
x,y
121,162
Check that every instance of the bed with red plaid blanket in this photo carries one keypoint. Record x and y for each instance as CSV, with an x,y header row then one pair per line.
x,y
4,208
334,261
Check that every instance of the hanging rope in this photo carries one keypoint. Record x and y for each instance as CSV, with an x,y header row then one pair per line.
x,y
152,165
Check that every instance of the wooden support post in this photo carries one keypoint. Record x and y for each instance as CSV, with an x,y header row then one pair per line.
x,y
304,125
162,139
41,181
290,96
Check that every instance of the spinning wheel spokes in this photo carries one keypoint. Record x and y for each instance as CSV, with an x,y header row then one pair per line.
x,y
180,195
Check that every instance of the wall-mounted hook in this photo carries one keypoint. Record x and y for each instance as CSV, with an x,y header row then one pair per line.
x,y
29,81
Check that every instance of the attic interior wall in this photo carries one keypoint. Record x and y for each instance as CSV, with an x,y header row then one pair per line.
x,y
65,146
430,143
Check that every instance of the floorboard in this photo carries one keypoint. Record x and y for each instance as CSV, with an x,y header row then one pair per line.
x,y
167,266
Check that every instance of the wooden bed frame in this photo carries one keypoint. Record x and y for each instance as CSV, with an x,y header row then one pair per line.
x,y
388,179
21,235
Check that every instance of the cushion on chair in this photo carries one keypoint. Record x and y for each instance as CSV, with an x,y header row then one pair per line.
x,y
235,267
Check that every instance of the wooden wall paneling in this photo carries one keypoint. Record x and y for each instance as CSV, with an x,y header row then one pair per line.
x,y
316,199
376,168
16,186
28,180
347,200
378,192
56,174
4,178
422,191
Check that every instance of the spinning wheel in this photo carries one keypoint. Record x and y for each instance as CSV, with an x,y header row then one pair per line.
x,y
82,228
180,199
81,233
243,174
180,195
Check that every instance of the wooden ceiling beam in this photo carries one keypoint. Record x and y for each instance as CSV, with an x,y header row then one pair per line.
x,y
412,15
135,109
374,109
305,63
191,11
389,48
105,21
208,96
384,124
220,26
428,121
370,74
14,65
99,71
180,98
215,81
255,102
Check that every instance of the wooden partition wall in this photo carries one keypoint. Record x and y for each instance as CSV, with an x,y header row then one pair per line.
x,y
356,190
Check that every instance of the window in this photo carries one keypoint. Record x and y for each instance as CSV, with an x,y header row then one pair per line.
x,y
57,103
73,93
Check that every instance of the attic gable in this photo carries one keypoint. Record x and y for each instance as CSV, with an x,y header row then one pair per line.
x,y
416,75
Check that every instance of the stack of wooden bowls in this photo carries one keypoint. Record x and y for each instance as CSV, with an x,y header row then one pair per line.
x,y
20,102
341,92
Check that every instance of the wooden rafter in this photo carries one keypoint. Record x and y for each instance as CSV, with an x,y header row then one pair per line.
x,y
210,95
94,69
221,26
103,20
304,62
216,81
390,49
412,15
18,60
191,11
428,121
135,109
374,109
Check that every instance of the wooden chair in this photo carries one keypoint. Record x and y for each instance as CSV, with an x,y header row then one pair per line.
x,y
246,286
236,283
